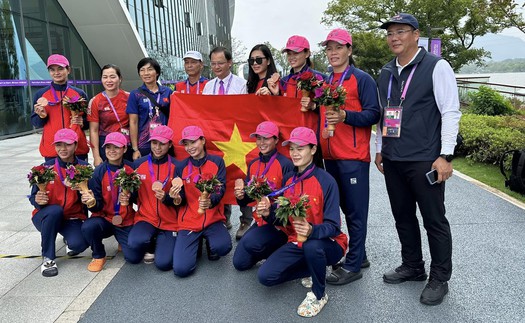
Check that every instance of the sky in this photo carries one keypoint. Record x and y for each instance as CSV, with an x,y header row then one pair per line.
x,y
257,21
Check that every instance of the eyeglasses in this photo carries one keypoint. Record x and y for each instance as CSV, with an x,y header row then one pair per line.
x,y
398,33
257,60
217,63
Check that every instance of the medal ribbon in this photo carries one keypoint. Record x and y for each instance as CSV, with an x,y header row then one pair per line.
x,y
152,172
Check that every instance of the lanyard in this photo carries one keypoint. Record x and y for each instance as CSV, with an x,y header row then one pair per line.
x,y
54,92
114,193
267,168
227,86
295,180
113,108
152,173
58,169
342,76
190,167
405,86
156,107
198,86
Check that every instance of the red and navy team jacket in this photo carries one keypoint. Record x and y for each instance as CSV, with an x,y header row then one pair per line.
x,y
288,84
280,166
189,219
161,215
60,194
188,88
351,140
323,213
106,194
58,117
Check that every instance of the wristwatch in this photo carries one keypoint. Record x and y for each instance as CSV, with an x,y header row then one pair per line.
x,y
135,149
448,158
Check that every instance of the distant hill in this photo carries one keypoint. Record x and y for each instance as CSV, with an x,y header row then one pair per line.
x,y
501,47
506,66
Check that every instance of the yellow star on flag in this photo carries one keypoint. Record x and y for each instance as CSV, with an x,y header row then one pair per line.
x,y
235,150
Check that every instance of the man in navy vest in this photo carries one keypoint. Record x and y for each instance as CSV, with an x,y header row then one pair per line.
x,y
416,134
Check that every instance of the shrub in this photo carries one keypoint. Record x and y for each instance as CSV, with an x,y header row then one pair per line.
x,y
487,101
486,138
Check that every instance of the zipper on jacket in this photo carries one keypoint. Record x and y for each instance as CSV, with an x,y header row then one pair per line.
x,y
355,140
158,214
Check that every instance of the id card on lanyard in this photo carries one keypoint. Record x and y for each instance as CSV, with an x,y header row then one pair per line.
x,y
154,117
393,113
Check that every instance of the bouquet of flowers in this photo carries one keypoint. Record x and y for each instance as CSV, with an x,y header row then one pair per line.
x,y
207,183
76,104
295,207
308,82
40,176
259,187
332,97
128,180
78,176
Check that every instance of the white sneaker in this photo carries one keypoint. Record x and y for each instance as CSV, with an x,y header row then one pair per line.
x,y
311,306
307,282
149,258
71,252
49,268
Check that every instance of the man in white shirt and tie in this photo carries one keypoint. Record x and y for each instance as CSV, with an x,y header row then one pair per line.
x,y
226,83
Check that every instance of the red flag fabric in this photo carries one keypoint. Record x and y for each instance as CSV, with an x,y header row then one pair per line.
x,y
228,121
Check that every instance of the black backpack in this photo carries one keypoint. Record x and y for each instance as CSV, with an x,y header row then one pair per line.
x,y
516,181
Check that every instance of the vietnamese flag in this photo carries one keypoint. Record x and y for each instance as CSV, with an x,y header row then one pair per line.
x,y
228,121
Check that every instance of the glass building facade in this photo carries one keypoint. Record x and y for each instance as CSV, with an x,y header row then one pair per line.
x,y
31,30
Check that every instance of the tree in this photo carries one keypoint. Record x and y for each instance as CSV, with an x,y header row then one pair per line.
x,y
239,53
279,58
512,13
370,52
459,23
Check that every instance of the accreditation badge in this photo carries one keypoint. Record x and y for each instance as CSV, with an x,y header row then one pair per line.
x,y
392,121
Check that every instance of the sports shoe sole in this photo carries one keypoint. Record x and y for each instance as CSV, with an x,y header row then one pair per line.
x,y
418,278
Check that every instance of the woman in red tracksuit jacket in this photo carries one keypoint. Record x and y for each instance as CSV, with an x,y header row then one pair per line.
x,y
262,239
346,153
192,225
59,209
325,244
156,216
109,217
51,115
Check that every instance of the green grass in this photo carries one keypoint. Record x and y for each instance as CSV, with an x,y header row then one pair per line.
x,y
487,174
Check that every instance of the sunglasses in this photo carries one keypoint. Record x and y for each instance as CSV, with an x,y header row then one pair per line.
x,y
257,60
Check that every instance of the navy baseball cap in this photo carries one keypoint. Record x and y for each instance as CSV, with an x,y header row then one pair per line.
x,y
401,18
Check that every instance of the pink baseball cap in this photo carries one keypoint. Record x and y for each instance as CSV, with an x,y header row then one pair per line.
x,y
339,35
191,133
161,133
65,135
117,139
266,129
57,59
302,136
297,44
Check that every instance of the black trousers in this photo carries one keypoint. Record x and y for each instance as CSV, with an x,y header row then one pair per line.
x,y
407,187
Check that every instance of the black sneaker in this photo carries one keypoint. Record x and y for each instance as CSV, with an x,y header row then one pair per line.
x,y
434,292
341,276
404,273
364,264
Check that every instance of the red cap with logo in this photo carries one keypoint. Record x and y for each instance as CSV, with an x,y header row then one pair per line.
x,y
297,44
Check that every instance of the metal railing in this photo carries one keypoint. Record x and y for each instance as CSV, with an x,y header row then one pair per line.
x,y
469,83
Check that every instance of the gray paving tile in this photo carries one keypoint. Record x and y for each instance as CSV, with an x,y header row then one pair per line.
x,y
72,278
25,309
13,271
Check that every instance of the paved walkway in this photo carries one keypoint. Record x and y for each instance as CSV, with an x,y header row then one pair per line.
x,y
486,286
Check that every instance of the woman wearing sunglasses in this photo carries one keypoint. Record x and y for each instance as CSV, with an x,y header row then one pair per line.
x,y
262,67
